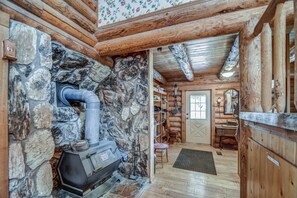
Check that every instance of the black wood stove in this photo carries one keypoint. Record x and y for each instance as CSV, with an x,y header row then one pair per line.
x,y
90,173
89,168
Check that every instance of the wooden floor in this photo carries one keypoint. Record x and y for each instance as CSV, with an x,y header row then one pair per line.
x,y
178,183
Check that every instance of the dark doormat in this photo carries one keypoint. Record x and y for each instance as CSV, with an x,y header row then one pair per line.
x,y
195,160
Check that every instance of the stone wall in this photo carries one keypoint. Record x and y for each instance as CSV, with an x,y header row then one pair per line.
x,y
31,144
38,123
124,96
72,68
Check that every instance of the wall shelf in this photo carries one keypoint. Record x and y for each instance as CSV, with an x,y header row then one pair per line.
x,y
160,116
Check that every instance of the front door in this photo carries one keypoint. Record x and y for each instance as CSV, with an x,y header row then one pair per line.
x,y
198,117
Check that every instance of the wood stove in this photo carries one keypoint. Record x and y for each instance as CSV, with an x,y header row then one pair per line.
x,y
93,169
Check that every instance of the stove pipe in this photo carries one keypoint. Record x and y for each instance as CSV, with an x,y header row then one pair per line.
x,y
69,94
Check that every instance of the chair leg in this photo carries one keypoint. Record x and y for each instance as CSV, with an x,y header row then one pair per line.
x,y
167,155
162,157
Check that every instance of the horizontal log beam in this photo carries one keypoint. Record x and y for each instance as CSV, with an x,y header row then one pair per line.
x,y
33,6
172,16
214,26
267,16
93,4
19,14
157,76
179,52
231,61
82,8
72,14
202,80
209,86
57,19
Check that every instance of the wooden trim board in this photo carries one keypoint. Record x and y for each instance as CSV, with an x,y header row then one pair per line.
x,y
151,115
4,34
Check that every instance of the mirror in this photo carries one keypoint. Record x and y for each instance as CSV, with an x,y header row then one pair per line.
x,y
231,100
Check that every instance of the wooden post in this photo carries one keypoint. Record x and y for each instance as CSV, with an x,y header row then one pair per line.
x,y
184,121
250,90
151,116
279,55
295,64
213,116
288,73
266,68
267,16
4,34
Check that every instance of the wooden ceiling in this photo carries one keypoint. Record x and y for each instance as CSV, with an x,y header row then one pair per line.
x,y
206,55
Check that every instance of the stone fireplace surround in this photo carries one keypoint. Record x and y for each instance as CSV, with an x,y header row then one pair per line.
x,y
39,128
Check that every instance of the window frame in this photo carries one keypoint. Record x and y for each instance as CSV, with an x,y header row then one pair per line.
x,y
199,110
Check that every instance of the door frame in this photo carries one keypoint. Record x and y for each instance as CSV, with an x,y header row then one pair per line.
x,y
184,111
210,111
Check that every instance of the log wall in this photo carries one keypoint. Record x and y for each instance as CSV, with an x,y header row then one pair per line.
x,y
217,87
220,117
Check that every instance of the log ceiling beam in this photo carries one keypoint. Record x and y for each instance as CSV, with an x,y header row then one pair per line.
x,y
179,52
82,8
93,4
158,77
72,14
267,16
20,14
55,18
172,16
231,61
221,24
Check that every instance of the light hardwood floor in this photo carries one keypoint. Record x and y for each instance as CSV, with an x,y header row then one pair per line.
x,y
179,183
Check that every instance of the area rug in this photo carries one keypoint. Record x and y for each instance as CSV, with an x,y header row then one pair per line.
x,y
195,160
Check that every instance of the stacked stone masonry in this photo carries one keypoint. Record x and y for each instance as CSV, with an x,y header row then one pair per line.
x,y
124,100
30,114
40,128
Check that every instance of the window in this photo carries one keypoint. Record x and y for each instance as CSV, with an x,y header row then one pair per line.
x,y
198,107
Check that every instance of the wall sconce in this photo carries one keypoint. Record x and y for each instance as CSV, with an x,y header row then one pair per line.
x,y
219,100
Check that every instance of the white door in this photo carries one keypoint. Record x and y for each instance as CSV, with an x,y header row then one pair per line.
x,y
198,118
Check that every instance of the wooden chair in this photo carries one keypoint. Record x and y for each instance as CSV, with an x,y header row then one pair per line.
x,y
172,136
160,148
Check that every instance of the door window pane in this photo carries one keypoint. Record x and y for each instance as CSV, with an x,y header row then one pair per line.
x,y
198,106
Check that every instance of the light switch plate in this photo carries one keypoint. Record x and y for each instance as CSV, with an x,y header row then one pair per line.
x,y
9,50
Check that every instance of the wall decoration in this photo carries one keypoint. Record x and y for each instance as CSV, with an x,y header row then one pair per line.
x,y
111,11
231,100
